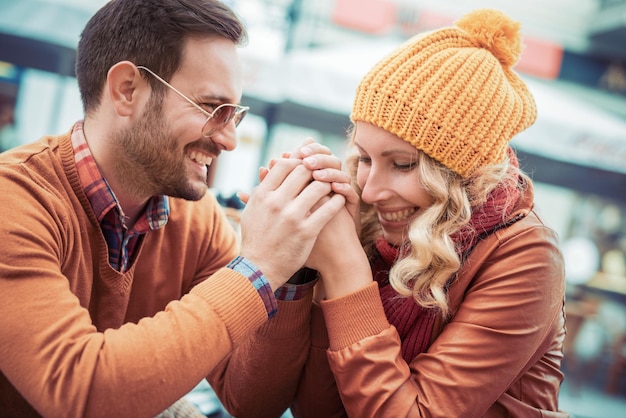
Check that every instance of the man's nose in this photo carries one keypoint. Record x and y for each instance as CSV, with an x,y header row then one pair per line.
x,y
226,138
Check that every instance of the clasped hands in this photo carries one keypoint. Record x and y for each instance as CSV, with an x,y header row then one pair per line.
x,y
303,213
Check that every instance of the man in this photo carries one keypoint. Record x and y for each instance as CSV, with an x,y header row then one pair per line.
x,y
122,284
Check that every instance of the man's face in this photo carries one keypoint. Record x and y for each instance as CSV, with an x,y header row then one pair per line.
x,y
164,152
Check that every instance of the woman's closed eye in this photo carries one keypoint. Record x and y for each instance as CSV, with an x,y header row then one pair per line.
x,y
405,166
397,165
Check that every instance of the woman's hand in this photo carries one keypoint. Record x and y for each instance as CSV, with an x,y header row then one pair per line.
x,y
339,258
283,217
309,148
327,167
337,245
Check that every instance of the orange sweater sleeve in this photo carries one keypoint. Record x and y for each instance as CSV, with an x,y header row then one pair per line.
x,y
78,338
260,377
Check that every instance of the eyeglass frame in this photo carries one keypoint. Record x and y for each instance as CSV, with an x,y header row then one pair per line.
x,y
239,109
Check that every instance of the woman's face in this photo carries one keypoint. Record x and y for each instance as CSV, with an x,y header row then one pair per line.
x,y
388,175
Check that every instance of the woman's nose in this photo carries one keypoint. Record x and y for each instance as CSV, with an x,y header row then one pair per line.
x,y
375,188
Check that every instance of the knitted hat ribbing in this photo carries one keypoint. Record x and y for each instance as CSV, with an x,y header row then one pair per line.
x,y
452,92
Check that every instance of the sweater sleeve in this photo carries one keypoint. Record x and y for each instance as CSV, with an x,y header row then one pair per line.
x,y
55,356
498,355
261,375
317,394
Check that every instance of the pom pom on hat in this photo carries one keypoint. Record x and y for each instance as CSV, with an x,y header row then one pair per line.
x,y
495,32
452,92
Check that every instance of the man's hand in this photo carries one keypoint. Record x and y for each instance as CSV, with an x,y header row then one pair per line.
x,y
283,217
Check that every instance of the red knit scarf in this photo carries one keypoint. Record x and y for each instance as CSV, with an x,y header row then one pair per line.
x,y
414,323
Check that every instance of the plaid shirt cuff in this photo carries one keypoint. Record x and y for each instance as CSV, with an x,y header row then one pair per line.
x,y
290,291
259,281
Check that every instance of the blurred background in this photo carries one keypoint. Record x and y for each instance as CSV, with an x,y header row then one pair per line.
x,y
301,67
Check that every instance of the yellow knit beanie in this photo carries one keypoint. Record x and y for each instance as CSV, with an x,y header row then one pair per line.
x,y
452,92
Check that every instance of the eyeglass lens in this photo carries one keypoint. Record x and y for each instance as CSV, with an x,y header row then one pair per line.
x,y
222,116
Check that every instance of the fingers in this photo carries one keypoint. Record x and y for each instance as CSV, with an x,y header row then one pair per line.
x,y
315,196
352,200
308,148
336,237
331,175
263,171
290,185
326,211
279,172
321,161
244,197
315,157
345,189
283,223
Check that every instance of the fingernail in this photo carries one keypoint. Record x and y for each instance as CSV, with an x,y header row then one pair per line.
x,y
306,150
312,161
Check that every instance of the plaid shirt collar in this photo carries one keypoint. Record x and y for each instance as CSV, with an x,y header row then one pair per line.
x,y
100,194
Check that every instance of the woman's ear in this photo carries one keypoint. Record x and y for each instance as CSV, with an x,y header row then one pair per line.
x,y
127,89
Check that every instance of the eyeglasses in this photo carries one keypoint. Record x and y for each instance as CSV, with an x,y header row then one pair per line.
x,y
216,120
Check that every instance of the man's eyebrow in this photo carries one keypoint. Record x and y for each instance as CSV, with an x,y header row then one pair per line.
x,y
209,98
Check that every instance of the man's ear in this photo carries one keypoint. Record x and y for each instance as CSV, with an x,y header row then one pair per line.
x,y
127,89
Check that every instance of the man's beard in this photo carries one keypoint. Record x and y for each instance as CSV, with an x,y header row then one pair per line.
x,y
151,162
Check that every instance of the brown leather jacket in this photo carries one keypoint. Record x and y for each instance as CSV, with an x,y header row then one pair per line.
x,y
498,355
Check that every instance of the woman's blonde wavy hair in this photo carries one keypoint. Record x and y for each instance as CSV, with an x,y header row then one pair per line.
x,y
424,273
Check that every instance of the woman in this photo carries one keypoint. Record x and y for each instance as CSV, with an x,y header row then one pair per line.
x,y
455,306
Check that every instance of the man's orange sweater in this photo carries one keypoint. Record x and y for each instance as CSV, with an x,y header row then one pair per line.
x,y
78,338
